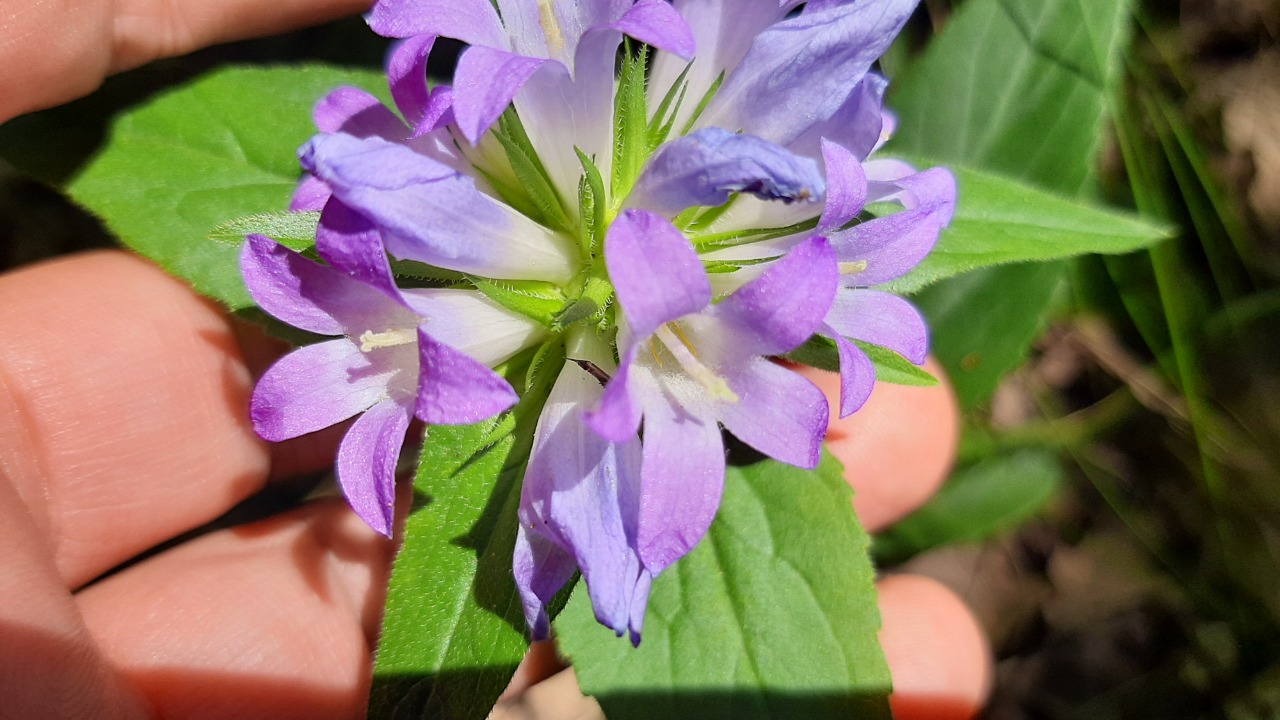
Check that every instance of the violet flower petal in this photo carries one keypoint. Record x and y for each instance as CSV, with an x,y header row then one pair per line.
x,y
800,71
303,293
367,461
355,112
846,187
887,247
778,412
616,417
858,124
486,81
857,373
432,213
473,324
703,168
474,22
582,492
407,76
682,478
455,389
722,33
778,311
657,23
880,318
655,271
310,195
314,387
350,244
541,568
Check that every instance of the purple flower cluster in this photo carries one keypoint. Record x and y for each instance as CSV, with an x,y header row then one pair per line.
x,y
732,229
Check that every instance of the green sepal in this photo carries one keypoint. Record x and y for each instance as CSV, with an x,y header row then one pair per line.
x,y
294,230
664,118
594,218
821,353
590,304
534,181
630,123
539,301
704,217
549,354
733,238
703,103
729,266
428,275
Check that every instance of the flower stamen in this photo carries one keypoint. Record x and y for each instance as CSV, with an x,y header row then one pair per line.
x,y
370,341
676,343
547,18
853,268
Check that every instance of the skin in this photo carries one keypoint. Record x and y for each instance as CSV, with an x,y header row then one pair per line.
x,y
123,423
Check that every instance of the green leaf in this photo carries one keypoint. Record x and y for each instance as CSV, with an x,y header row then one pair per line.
x,y
296,231
454,630
772,615
1000,221
220,148
980,326
977,502
1021,88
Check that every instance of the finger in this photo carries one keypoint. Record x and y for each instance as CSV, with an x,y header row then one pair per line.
x,y
148,29
58,50
898,449
270,620
123,408
48,666
938,655
938,658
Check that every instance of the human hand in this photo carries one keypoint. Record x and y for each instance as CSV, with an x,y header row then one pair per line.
x,y
123,423
57,50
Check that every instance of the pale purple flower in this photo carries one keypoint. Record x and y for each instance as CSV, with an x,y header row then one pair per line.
x,y
770,184
421,353
554,59
624,513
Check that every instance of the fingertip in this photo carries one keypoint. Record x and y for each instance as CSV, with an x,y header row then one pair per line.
x,y
938,655
898,449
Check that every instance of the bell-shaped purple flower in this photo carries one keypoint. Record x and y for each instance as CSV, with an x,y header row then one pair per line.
x,y
394,356
622,510
511,41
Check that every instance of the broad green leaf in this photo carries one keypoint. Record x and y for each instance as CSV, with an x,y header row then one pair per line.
x,y
979,323
772,615
979,501
296,231
454,630
1000,221
218,149
1018,87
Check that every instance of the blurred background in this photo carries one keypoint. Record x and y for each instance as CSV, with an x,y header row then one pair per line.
x,y
1115,516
